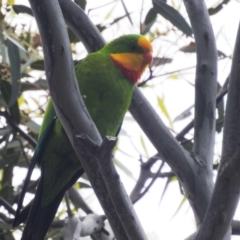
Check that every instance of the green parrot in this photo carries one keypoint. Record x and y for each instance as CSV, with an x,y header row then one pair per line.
x,y
106,80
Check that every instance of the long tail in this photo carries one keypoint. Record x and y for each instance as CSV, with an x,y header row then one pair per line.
x,y
40,218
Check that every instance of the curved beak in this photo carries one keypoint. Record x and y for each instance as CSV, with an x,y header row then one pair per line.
x,y
148,57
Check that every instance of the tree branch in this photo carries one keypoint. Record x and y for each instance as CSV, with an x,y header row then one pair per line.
x,y
7,205
116,190
141,194
78,201
16,128
235,227
145,174
222,92
205,103
75,17
206,82
226,193
168,148
217,221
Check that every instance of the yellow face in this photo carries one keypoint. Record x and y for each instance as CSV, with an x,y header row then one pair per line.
x,y
131,61
136,62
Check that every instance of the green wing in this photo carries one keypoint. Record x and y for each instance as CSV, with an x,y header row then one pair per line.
x,y
35,159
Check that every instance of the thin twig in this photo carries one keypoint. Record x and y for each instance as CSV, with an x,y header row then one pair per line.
x,y
151,76
222,92
150,184
15,127
69,211
141,13
7,206
126,11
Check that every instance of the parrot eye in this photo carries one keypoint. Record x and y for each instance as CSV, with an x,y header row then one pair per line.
x,y
133,47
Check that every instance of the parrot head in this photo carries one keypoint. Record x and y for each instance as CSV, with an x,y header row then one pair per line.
x,y
132,54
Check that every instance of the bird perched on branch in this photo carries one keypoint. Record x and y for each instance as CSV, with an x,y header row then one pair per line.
x,y
106,79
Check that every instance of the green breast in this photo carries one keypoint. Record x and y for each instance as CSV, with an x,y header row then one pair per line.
x,y
107,94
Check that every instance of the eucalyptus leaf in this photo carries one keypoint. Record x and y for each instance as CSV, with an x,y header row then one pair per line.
x,y
4,131
123,168
3,49
38,65
162,106
18,8
33,126
17,43
169,180
4,54
149,20
187,144
157,61
40,84
72,37
173,16
184,200
101,27
15,65
191,48
29,62
5,226
84,185
186,113
144,146
218,8
10,158
220,111
14,144
5,90
81,3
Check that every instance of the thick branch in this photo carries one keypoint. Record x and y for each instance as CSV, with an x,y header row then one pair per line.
x,y
235,227
204,122
224,201
117,192
226,192
206,81
88,33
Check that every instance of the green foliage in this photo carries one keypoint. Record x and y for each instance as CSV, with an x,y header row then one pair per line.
x,y
17,52
150,19
173,16
162,106
218,7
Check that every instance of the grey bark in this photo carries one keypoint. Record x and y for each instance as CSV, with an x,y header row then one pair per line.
x,y
216,224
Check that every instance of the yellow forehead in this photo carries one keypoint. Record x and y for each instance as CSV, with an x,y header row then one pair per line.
x,y
145,44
